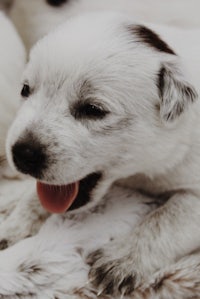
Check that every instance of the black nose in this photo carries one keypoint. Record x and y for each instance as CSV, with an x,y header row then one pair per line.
x,y
29,158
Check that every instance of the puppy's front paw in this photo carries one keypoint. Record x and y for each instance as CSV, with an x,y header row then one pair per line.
x,y
111,275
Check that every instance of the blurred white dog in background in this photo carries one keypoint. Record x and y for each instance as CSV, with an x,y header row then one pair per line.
x,y
12,62
35,18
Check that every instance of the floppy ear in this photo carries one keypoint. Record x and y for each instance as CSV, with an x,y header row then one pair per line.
x,y
175,92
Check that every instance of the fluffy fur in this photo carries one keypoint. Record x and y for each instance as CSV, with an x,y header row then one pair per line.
x,y
54,263
106,60
35,18
12,61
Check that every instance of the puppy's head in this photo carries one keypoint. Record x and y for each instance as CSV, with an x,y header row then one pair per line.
x,y
102,99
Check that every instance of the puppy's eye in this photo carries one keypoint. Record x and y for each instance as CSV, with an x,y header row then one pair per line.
x,y
56,2
90,111
25,92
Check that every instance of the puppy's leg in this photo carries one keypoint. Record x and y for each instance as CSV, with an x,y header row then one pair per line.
x,y
178,281
52,264
168,233
22,214
41,267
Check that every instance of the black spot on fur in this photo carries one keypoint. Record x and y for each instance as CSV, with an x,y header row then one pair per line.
x,y
86,187
190,93
157,286
3,244
56,3
170,83
127,285
94,256
101,273
150,38
160,82
110,288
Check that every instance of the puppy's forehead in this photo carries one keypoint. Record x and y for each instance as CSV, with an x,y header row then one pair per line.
x,y
87,36
96,46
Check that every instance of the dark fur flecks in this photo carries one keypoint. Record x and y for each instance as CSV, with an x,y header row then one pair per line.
x,y
150,38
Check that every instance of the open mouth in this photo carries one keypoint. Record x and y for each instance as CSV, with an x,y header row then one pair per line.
x,y
59,199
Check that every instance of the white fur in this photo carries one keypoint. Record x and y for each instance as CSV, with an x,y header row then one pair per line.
x,y
35,18
53,263
137,136
12,61
59,250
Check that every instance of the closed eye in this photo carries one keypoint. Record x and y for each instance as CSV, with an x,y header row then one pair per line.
x,y
91,111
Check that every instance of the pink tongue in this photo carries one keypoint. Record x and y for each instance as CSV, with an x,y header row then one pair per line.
x,y
57,199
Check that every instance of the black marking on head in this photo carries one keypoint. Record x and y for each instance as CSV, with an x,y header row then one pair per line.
x,y
101,272
150,38
175,93
3,244
57,3
86,187
160,81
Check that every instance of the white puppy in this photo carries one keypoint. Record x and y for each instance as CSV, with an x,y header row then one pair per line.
x,y
35,18
12,61
106,98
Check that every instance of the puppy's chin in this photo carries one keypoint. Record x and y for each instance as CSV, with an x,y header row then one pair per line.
x,y
60,198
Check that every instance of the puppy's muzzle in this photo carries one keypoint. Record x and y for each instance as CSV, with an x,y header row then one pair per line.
x,y
29,157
